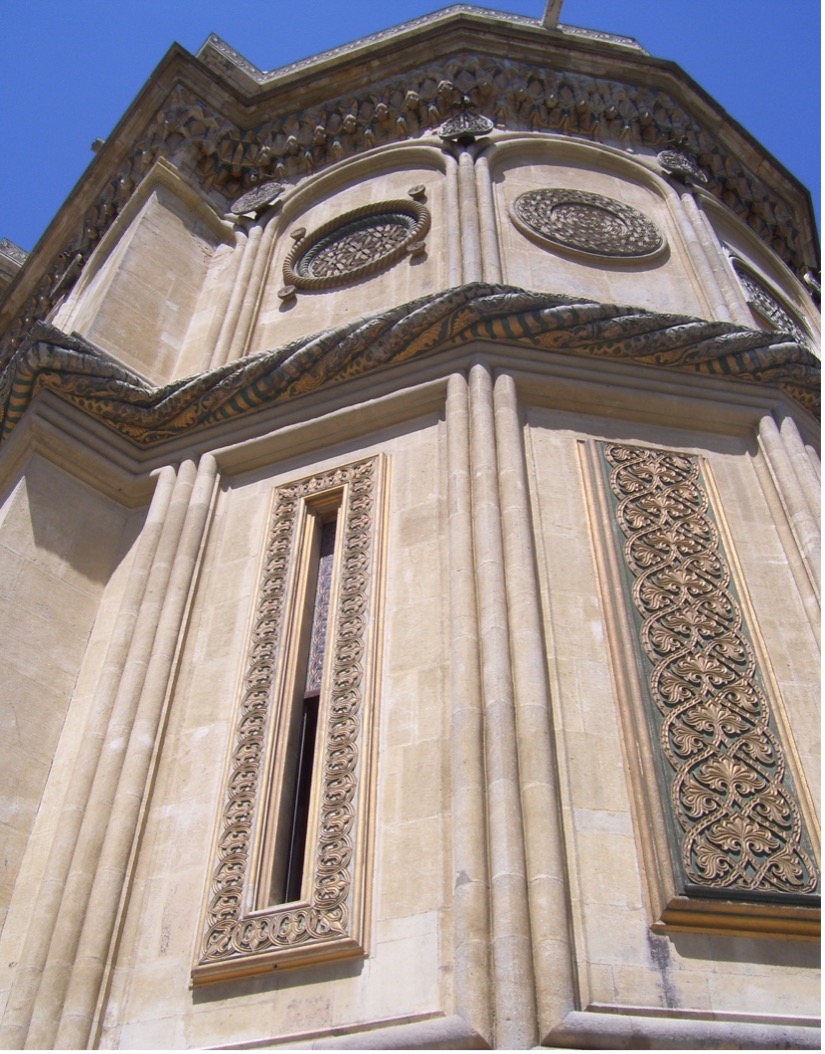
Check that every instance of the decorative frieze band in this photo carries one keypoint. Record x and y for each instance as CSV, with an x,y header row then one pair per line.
x,y
227,160
732,809
329,923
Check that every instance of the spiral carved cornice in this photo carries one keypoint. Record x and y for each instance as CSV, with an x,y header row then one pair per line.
x,y
103,388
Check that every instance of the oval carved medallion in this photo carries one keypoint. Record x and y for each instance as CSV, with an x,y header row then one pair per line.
x,y
587,223
357,244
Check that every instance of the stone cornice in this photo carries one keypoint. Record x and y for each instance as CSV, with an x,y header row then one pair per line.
x,y
224,59
12,252
524,77
501,315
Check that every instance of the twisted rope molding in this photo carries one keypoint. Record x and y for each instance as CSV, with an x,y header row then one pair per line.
x,y
87,378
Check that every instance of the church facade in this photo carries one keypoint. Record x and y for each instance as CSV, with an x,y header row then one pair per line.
x,y
409,559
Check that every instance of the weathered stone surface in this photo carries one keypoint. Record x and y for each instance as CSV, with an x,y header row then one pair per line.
x,y
380,351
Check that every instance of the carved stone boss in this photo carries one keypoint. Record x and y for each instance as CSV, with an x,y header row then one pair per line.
x,y
237,939
587,223
736,825
681,165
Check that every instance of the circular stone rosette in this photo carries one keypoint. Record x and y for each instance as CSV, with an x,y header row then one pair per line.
x,y
357,244
587,223
258,198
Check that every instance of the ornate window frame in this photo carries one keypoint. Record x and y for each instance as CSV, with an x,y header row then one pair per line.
x,y
670,749
238,937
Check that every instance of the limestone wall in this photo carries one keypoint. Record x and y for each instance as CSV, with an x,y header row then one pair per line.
x,y
620,961
61,544
493,860
506,863
401,977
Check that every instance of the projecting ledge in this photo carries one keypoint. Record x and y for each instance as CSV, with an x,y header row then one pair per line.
x,y
612,1029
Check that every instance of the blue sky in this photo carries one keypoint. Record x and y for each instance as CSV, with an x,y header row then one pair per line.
x,y
71,67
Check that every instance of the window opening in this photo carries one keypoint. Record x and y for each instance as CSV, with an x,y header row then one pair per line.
x,y
287,857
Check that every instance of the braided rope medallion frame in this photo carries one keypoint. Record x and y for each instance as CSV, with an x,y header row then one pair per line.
x,y
237,940
358,244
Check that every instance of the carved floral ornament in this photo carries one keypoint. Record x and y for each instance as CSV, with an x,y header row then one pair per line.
x,y
358,244
737,828
465,127
328,920
587,223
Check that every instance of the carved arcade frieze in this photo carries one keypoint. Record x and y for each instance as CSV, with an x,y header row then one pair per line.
x,y
227,160
736,826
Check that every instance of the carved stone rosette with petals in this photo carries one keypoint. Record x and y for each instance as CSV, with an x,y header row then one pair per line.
x,y
587,223
737,821
236,939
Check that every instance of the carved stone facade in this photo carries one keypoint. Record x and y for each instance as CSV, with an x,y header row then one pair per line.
x,y
235,940
226,158
409,563
738,825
